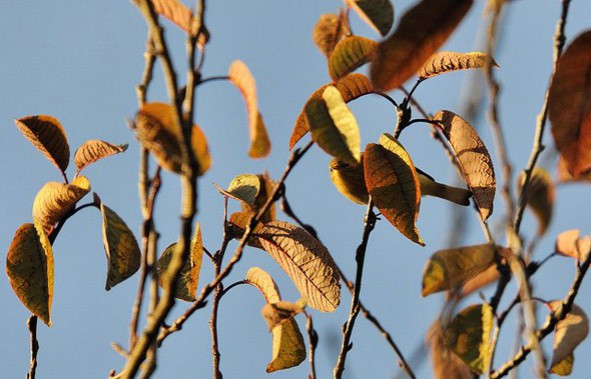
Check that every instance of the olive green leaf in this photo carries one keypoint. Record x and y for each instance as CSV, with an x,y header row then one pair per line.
x,y
349,54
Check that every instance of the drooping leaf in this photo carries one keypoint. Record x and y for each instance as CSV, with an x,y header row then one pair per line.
x,y
378,14
266,190
569,105
448,61
48,136
393,184
540,196
121,247
93,150
328,31
570,244
468,334
281,311
450,268
445,364
564,367
54,200
241,77
29,265
175,11
422,30
349,180
473,158
188,280
306,261
244,188
237,226
260,279
568,333
157,130
349,54
334,127
351,87
489,276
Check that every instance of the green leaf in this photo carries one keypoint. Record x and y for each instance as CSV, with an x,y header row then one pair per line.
x,y
350,54
93,150
244,188
29,265
378,14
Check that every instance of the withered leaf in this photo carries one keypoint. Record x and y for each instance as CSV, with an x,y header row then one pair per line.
x,y
448,61
378,14
568,333
279,312
540,196
93,150
328,31
445,364
570,244
175,11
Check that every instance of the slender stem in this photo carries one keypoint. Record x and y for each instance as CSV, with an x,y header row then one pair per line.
x,y
369,224
313,343
213,79
389,98
32,326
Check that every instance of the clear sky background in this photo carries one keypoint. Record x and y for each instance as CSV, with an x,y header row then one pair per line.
x,y
81,61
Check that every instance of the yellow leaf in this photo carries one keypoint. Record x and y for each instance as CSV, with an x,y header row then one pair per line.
x,y
306,261
48,136
570,244
378,14
237,226
289,349
54,200
429,187
351,87
244,188
468,334
446,365
123,252
540,196
93,150
281,311
564,367
175,11
393,184
473,158
569,332
349,180
328,31
186,285
264,282
448,61
350,54
240,76
420,33
334,127
569,105
451,268
29,265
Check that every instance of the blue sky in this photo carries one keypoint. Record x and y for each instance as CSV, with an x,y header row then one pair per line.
x,y
81,61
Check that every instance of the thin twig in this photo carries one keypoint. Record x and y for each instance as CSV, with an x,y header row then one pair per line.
x,y
313,343
32,326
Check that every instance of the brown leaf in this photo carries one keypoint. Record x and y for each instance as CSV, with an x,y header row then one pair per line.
x,y
446,365
392,182
473,158
237,226
175,11
240,76
540,196
564,367
378,14
564,176
569,105
48,136
328,31
448,61
422,30
93,150
281,311
265,191
351,87
569,332
29,265
570,244
350,54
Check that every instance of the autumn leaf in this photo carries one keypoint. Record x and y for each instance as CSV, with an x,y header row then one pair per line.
x,y
279,312
29,265
48,136
351,87
175,11
568,333
565,176
244,188
378,14
261,279
447,61
237,226
450,268
349,54
569,105
93,150
421,32
445,364
570,244
564,367
473,158
392,182
265,191
540,196
349,179
306,261
328,31
240,76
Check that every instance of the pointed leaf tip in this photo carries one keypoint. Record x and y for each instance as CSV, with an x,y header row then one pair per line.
x,y
94,150
328,31
378,14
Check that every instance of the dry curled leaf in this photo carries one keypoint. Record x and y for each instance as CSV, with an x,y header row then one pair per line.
x,y
93,150
448,61
378,14
349,54
568,333
265,191
328,31
540,196
237,226
570,244
279,312
261,279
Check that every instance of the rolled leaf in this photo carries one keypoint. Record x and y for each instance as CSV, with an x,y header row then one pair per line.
x,y
350,54
540,196
378,14
568,333
448,61
93,150
328,31
260,279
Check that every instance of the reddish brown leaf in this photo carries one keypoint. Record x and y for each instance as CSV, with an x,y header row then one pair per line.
x,y
540,197
93,150
328,31
447,61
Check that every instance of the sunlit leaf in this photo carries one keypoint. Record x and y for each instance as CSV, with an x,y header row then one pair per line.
x,y
393,184
48,136
237,226
121,247
349,54
334,127
569,105
351,87
54,200
540,196
349,180
570,244
279,312
446,365
93,150
175,11
420,33
569,332
473,158
328,31
448,61
29,265
450,268
565,176
240,76
266,190
244,188
564,367
260,279
468,334
306,261
378,14
188,280
157,131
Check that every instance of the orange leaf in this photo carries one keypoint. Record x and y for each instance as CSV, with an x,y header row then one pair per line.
x,y
422,30
565,176
570,244
447,61
328,31
378,14
93,150
349,54
175,11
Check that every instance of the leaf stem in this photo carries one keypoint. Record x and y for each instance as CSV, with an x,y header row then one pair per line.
x,y
313,343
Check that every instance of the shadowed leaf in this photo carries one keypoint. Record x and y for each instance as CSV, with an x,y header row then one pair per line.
x,y
48,136
564,367
281,311
564,176
540,197
174,11
447,61
349,180
266,190
569,105
328,31
54,200
244,188
351,87
568,334
446,365
421,32
570,244
349,54
473,158
264,282
240,76
393,184
93,150
29,265
237,226
306,261
378,14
